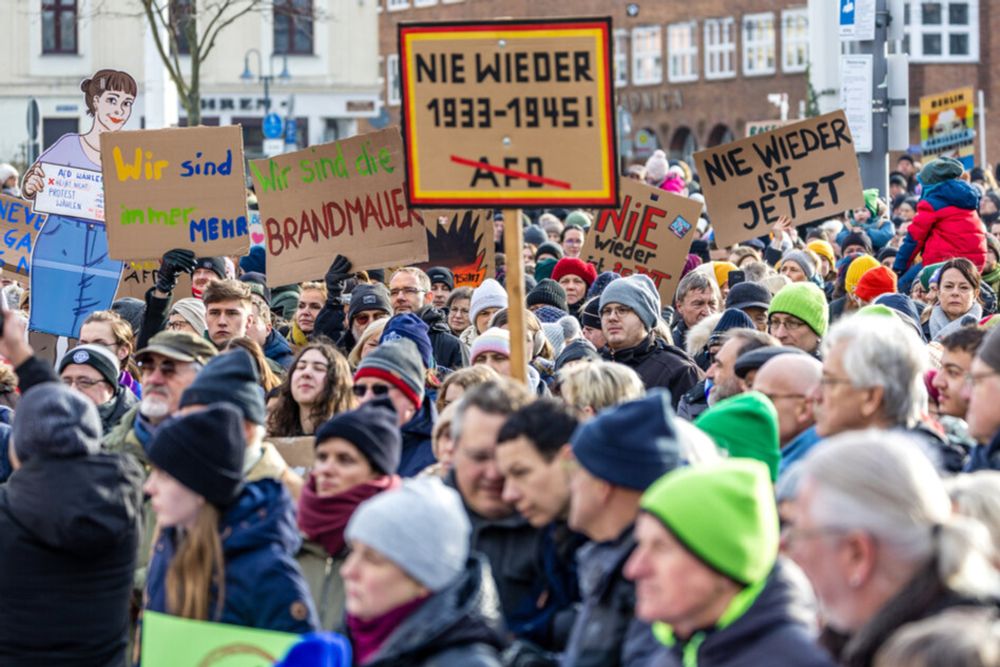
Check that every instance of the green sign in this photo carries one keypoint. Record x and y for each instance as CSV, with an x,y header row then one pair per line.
x,y
169,641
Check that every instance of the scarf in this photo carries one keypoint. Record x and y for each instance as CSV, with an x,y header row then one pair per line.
x,y
126,380
299,336
940,325
368,636
992,277
323,520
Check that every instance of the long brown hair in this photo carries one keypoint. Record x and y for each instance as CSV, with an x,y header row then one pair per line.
x,y
268,378
196,568
334,398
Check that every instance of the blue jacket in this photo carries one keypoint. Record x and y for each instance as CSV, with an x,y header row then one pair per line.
x,y
264,586
984,457
279,350
880,232
418,452
797,449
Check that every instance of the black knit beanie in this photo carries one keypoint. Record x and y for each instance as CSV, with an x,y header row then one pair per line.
x,y
372,429
231,377
548,293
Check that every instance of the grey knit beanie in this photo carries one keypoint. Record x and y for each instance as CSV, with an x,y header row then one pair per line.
x,y
421,527
54,421
193,312
803,259
638,293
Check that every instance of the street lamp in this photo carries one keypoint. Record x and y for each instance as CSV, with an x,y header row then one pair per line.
x,y
266,79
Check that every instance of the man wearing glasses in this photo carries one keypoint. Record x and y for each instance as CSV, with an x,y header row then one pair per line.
x,y
799,316
93,371
410,290
790,380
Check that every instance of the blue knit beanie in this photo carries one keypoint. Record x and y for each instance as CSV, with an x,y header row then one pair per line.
x,y
408,325
732,318
603,280
632,444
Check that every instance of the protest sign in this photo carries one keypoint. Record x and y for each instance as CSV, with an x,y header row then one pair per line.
x,y
171,641
297,452
139,275
19,227
461,241
509,113
177,188
948,126
649,233
70,191
344,197
807,171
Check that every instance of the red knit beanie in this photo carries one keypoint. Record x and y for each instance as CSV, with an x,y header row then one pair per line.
x,y
875,282
571,266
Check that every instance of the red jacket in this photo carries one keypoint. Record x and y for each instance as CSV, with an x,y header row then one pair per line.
x,y
947,233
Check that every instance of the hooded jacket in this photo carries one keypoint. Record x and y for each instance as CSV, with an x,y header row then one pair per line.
x,y
418,452
264,585
459,625
947,225
985,457
69,533
606,632
779,623
449,351
659,365
113,411
279,350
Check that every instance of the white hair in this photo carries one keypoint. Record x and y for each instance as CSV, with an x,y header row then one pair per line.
x,y
695,445
881,483
882,352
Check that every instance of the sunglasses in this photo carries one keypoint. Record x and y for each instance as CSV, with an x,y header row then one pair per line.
x,y
168,367
377,390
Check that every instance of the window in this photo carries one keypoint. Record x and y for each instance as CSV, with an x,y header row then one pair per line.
x,y
647,55
758,44
58,26
396,5
424,3
720,48
682,51
621,58
392,80
182,23
794,40
942,31
293,27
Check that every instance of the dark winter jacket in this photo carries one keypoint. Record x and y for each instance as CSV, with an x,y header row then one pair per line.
x,y
985,457
264,586
113,411
279,350
606,632
418,452
510,545
154,318
449,352
694,401
778,625
458,626
69,532
659,365
679,333
950,456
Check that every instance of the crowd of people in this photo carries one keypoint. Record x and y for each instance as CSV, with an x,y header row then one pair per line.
x,y
794,462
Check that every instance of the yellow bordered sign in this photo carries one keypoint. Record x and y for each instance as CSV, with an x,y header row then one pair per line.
x,y
509,113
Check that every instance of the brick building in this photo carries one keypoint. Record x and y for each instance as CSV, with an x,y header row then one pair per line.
x,y
692,75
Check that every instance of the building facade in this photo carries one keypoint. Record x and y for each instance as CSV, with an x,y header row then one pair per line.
x,y
694,75
326,47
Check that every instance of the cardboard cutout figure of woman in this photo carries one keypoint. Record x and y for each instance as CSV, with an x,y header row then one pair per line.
x,y
71,273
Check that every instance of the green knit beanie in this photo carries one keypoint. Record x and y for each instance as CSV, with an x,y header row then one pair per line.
x,y
723,513
877,309
746,426
578,218
940,170
927,273
871,202
805,301
543,268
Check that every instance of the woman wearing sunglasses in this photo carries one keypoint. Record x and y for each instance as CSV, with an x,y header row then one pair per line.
x,y
357,454
317,388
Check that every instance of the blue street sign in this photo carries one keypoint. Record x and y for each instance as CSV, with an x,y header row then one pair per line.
x,y
291,131
272,126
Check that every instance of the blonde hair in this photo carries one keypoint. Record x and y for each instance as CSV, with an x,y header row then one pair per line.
x,y
466,377
373,329
319,287
196,568
599,385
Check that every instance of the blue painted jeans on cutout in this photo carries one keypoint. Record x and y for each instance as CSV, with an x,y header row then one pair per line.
x,y
71,275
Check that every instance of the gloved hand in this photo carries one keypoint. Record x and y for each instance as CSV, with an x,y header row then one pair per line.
x,y
174,263
337,275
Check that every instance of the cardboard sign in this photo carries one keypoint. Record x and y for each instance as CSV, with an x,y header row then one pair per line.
x,y
948,126
807,171
345,197
650,233
298,452
171,641
509,113
463,242
177,188
18,228
139,275
69,191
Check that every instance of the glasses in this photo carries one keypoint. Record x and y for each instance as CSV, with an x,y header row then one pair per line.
x,y
408,291
364,318
177,325
168,367
360,391
829,381
778,397
616,311
791,324
459,311
972,379
80,383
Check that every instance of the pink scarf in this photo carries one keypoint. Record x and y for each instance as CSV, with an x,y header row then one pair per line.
x,y
368,636
323,520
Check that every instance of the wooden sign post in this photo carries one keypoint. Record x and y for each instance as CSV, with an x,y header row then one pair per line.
x,y
507,114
